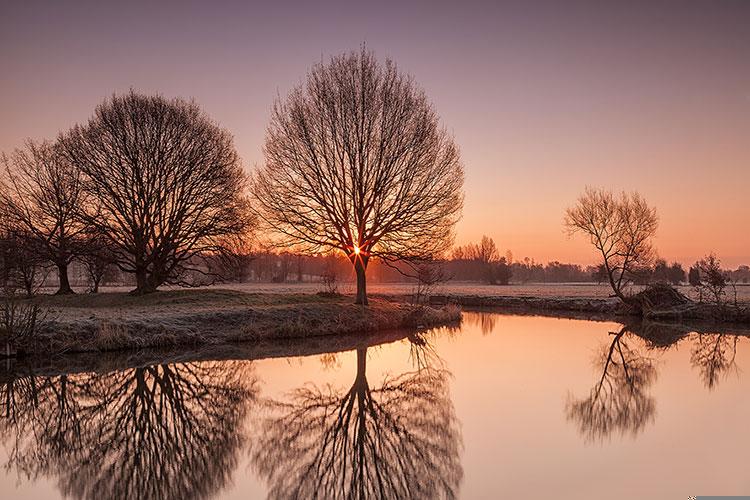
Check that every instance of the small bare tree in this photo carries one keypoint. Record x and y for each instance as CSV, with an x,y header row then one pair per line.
x,y
429,275
41,194
24,263
356,161
713,280
620,228
166,185
99,259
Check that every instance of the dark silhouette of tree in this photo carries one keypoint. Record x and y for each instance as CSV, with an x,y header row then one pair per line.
x,y
41,193
620,228
160,431
400,440
712,279
676,274
672,274
356,161
619,402
24,263
99,259
714,355
694,276
484,261
166,183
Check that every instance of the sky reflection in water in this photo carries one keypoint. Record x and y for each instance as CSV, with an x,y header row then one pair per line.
x,y
513,405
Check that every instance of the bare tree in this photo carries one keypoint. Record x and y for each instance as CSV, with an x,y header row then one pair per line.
x,y
620,228
41,194
166,183
356,161
25,265
712,279
99,259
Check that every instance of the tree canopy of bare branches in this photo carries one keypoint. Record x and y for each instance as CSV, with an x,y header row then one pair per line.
x,y
166,184
355,160
40,195
620,228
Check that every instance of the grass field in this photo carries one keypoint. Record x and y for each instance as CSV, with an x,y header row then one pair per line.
x,y
541,290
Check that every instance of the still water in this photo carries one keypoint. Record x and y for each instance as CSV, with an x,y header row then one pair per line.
x,y
503,406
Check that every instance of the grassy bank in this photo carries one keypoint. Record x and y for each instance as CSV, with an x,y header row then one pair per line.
x,y
611,308
113,321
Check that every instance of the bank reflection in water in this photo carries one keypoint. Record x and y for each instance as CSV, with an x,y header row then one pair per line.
x,y
161,431
397,439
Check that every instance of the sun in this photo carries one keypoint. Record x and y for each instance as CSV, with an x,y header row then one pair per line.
x,y
356,250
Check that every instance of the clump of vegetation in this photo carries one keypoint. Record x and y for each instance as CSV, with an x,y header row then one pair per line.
x,y
659,296
429,275
712,281
329,279
19,321
482,261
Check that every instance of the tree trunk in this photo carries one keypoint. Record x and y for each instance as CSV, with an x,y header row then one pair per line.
x,y
62,273
143,282
360,266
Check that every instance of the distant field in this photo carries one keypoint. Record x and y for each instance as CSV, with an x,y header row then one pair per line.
x,y
534,290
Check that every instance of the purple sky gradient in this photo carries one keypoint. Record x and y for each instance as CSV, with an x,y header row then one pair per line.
x,y
542,97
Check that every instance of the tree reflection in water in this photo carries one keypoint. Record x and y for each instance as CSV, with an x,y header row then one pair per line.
x,y
714,355
619,402
399,440
486,321
161,431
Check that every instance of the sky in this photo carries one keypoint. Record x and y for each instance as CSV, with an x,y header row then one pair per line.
x,y
543,98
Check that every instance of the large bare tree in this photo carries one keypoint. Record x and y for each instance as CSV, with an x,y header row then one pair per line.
x,y
620,228
40,195
356,161
166,183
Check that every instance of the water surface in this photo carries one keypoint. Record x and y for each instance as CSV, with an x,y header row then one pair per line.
x,y
516,406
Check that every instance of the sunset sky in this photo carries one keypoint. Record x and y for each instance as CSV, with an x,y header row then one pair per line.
x,y
542,97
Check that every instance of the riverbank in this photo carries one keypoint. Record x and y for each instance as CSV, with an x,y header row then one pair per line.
x,y
611,308
115,321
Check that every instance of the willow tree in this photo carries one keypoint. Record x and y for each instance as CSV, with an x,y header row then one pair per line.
x,y
620,228
165,183
40,194
356,161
